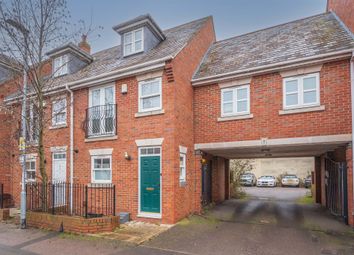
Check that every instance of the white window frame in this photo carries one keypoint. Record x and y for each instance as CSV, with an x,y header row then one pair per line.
x,y
134,41
102,99
183,173
30,159
62,111
93,157
60,65
141,83
234,101
300,91
102,95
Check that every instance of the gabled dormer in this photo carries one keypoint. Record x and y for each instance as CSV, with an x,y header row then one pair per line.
x,y
139,35
70,58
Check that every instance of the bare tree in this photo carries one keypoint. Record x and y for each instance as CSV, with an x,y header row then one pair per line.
x,y
29,29
239,167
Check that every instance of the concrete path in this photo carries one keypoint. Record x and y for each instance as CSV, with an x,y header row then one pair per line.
x,y
276,193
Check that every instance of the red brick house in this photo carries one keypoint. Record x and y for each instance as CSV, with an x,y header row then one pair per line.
x,y
161,114
287,93
127,104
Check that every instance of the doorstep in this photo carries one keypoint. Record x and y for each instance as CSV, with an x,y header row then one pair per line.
x,y
135,232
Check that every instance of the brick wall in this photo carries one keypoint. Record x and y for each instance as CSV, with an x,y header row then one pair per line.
x,y
187,197
344,9
218,180
266,101
71,224
6,136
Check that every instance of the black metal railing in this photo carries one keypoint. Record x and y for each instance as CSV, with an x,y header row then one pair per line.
x,y
1,196
87,201
101,120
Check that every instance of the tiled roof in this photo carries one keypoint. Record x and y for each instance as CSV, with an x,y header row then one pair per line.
x,y
307,37
112,59
9,62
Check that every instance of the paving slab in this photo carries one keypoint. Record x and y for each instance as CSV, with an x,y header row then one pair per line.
x,y
135,232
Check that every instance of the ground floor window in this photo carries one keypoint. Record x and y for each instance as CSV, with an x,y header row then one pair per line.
x,y
101,169
182,167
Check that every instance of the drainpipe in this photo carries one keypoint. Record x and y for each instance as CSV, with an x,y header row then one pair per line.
x,y
352,97
71,145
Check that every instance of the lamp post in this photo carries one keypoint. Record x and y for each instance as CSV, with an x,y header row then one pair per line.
x,y
20,28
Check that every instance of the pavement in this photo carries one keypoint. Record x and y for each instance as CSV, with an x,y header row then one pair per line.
x,y
263,223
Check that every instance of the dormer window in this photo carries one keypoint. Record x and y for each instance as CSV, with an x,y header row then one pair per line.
x,y
60,66
133,42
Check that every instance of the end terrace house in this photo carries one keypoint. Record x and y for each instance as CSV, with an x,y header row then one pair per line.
x,y
127,118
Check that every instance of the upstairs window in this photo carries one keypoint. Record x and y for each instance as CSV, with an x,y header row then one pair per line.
x,y
235,101
59,112
60,66
301,91
101,114
150,95
133,42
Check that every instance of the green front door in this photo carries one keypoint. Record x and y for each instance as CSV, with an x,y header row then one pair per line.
x,y
150,184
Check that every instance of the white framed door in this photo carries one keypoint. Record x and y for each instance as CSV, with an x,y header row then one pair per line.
x,y
59,178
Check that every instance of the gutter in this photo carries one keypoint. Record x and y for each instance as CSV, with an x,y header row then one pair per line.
x,y
106,77
71,145
119,73
271,67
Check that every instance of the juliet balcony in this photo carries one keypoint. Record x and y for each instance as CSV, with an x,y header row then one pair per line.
x,y
101,121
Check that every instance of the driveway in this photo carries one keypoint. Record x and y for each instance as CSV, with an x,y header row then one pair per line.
x,y
254,226
277,193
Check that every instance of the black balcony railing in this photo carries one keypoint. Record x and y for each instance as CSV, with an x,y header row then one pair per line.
x,y
101,120
86,201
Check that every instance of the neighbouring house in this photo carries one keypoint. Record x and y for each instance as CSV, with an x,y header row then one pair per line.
x,y
160,115
9,68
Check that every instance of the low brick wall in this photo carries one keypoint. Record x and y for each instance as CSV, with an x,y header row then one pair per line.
x,y
71,224
4,214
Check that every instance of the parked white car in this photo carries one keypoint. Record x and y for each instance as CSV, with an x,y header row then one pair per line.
x,y
248,179
266,181
290,180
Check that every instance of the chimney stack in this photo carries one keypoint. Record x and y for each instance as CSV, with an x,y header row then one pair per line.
x,y
84,45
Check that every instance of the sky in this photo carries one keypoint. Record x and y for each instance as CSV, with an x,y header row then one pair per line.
x,y
231,17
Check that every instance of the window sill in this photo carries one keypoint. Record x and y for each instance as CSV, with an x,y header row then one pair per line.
x,y
182,183
302,110
100,185
58,126
102,138
149,113
236,117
